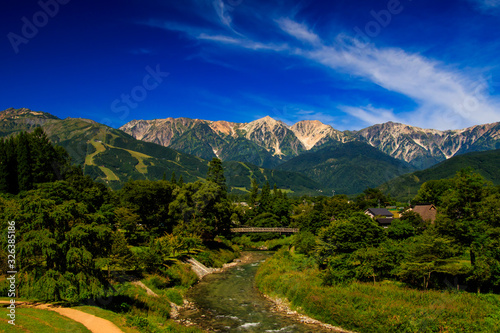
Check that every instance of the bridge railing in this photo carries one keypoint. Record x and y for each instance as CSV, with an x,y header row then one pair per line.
x,y
280,230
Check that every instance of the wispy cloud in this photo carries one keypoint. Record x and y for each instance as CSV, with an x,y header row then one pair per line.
x,y
489,7
370,115
298,30
220,9
243,42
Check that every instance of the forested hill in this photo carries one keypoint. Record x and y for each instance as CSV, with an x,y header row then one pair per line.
x,y
348,168
486,163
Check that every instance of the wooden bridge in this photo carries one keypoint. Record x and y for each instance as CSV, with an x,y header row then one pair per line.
x,y
279,230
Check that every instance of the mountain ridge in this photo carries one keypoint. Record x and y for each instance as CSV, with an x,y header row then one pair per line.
x,y
420,147
113,157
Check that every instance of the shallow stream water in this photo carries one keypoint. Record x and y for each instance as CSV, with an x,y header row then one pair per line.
x,y
230,302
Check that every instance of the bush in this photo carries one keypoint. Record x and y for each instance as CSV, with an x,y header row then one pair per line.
x,y
174,296
141,323
181,275
158,282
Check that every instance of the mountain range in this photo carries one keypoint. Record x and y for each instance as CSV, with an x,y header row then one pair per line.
x,y
111,156
268,142
308,157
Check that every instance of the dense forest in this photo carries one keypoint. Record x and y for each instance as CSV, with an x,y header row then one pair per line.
x,y
75,236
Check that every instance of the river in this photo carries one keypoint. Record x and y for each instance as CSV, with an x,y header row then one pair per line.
x,y
230,302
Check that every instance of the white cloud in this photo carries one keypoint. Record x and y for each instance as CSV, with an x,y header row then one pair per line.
x,y
242,42
297,30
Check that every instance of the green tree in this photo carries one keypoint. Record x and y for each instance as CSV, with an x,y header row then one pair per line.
x,y
432,191
429,253
24,162
58,245
265,198
415,220
305,242
254,193
150,200
460,216
347,236
400,230
216,173
120,255
128,223
202,208
311,221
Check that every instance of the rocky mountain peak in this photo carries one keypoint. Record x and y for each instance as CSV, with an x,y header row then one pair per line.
x,y
420,147
14,114
225,127
313,132
266,123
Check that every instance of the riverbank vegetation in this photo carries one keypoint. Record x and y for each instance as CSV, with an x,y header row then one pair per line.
x,y
381,307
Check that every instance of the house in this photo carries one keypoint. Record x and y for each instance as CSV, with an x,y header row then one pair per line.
x,y
383,216
426,211
373,212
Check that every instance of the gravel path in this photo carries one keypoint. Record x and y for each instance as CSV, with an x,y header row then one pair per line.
x,y
93,323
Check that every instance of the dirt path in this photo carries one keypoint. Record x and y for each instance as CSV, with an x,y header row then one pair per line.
x,y
93,323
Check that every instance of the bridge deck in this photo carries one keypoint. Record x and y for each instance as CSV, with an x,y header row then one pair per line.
x,y
281,230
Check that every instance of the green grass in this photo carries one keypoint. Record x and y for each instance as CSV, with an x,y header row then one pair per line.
x,y
384,307
89,159
110,175
39,321
141,167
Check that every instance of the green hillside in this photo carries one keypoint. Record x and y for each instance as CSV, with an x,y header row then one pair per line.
x,y
113,157
347,168
487,163
239,176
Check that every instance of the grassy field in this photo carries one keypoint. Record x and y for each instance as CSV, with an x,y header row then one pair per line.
x,y
89,159
110,175
141,167
384,307
39,321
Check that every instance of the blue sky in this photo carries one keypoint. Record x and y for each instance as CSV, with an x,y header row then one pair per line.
x,y
349,64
